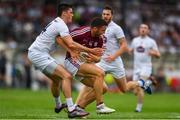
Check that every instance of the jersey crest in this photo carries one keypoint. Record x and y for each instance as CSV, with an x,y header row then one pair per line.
x,y
140,49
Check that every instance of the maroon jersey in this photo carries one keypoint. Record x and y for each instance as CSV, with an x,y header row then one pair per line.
x,y
83,36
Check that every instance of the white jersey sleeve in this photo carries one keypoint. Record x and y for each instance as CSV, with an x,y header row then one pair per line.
x,y
113,34
46,42
63,30
118,32
154,45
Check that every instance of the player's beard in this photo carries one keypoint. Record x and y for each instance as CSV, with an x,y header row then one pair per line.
x,y
69,19
108,20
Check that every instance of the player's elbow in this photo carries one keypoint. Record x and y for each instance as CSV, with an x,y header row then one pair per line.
x,y
158,55
125,46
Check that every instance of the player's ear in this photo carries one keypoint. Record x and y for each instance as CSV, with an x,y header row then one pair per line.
x,y
64,13
94,28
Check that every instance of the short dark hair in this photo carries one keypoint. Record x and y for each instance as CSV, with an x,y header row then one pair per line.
x,y
62,7
108,8
98,22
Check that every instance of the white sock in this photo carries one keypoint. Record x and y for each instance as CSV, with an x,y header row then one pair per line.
x,y
75,104
141,82
148,82
139,107
100,106
58,102
70,104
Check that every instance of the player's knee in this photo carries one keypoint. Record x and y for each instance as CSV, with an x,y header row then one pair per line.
x,y
67,76
100,73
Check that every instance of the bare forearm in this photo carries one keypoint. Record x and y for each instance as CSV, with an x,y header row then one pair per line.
x,y
80,47
62,44
119,52
123,49
156,54
74,45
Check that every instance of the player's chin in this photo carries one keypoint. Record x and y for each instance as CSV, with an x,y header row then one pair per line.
x,y
70,21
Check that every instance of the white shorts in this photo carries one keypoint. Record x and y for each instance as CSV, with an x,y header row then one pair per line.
x,y
42,61
72,66
142,71
116,68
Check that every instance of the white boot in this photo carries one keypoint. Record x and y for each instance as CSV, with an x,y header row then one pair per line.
x,y
103,109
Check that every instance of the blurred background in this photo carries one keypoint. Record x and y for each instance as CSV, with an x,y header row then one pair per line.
x,y
21,21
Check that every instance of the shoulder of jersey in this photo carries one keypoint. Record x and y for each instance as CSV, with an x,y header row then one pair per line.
x,y
115,25
151,39
80,31
136,38
59,21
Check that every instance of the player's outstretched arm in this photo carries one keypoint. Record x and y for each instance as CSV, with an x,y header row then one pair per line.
x,y
94,51
78,47
62,43
74,53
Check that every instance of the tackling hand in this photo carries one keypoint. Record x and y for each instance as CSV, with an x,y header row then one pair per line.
x,y
97,51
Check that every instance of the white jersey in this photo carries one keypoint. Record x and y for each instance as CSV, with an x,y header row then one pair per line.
x,y
45,42
141,47
113,33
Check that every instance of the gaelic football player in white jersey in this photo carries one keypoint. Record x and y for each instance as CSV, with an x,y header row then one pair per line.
x,y
143,48
111,61
39,55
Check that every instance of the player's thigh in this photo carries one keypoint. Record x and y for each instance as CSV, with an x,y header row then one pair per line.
x,y
72,66
136,76
40,60
117,70
56,72
62,72
48,65
145,72
136,73
89,70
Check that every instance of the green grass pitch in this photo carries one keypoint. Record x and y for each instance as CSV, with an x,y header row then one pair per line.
x,y
26,104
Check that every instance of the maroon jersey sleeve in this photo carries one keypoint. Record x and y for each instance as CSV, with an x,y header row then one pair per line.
x,y
79,35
